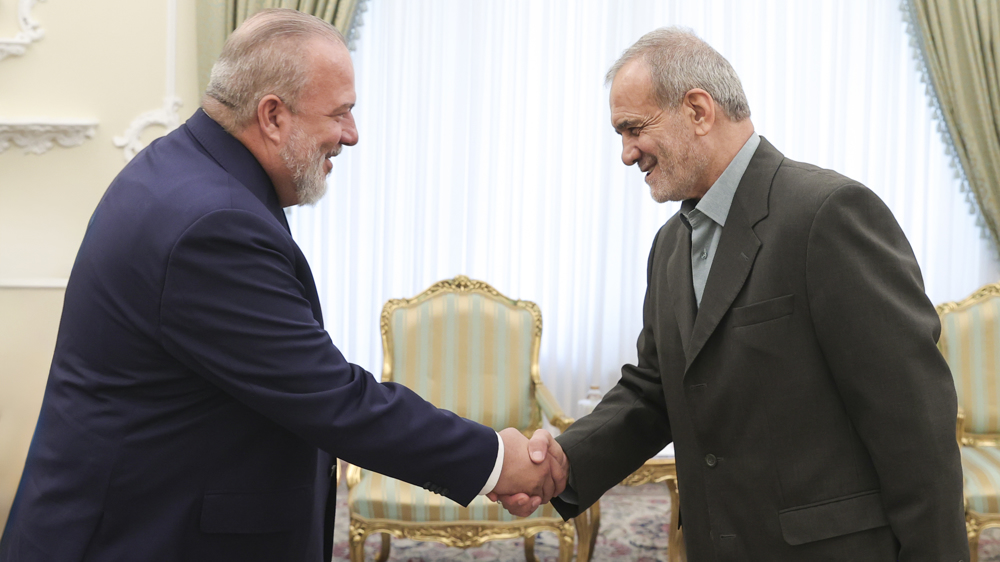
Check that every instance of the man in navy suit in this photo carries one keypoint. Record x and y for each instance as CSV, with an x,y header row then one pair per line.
x,y
195,404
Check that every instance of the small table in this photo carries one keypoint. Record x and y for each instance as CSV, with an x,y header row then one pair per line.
x,y
661,468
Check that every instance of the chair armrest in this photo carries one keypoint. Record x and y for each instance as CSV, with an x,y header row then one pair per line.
x,y
551,408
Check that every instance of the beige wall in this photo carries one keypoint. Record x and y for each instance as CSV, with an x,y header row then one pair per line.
x,y
99,60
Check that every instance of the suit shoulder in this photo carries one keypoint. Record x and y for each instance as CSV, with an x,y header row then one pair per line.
x,y
809,186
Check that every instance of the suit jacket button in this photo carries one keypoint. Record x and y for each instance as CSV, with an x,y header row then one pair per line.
x,y
710,460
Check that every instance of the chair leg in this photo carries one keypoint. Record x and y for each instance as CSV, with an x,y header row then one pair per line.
x,y
974,548
595,526
356,548
566,543
675,538
587,525
529,548
383,553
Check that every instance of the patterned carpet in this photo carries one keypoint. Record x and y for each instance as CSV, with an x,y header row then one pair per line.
x,y
633,528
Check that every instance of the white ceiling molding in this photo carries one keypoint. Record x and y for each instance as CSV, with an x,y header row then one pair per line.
x,y
166,116
37,137
30,31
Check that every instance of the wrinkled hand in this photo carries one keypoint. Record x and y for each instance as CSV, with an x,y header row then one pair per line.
x,y
545,474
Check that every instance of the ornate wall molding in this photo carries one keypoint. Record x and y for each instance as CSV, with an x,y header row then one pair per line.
x,y
31,31
166,116
131,143
37,137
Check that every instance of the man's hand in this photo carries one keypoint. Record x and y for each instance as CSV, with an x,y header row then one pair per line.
x,y
547,461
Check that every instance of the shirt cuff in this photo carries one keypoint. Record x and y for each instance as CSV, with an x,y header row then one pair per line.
x,y
491,482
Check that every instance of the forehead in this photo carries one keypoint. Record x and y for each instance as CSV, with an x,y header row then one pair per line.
x,y
632,93
331,74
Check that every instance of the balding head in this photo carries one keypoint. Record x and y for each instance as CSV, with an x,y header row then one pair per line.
x,y
678,62
265,55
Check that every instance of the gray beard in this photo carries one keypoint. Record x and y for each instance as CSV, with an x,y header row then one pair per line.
x,y
305,161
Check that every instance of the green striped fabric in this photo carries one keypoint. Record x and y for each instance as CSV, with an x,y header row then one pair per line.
x,y
981,467
469,354
970,342
380,497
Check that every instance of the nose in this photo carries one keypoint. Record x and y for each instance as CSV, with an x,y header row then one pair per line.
x,y
630,154
349,134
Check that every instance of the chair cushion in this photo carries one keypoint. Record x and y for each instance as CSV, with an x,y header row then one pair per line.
x,y
379,497
981,467
469,354
970,342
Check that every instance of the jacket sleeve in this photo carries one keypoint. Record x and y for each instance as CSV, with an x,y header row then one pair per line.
x,y
878,333
602,448
233,311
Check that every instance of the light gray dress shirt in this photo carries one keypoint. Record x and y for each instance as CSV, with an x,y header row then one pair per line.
x,y
706,218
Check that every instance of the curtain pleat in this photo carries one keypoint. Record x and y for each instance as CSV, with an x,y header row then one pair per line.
x,y
960,45
218,18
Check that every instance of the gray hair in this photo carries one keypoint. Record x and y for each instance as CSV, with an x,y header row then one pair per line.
x,y
264,56
679,61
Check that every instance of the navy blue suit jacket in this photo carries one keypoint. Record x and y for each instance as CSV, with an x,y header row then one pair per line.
x,y
195,403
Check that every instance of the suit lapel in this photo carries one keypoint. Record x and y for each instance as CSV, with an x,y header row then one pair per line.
x,y
733,260
738,247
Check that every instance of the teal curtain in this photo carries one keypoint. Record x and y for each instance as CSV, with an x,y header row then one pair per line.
x,y
959,41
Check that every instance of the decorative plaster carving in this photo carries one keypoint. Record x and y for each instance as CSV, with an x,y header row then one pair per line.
x,y
38,137
166,117
30,31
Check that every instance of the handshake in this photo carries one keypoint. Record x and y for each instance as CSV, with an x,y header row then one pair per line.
x,y
534,471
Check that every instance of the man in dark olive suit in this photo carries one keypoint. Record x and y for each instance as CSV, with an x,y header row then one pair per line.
x,y
195,404
787,350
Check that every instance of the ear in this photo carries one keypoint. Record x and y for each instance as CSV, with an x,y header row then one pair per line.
x,y
701,109
273,117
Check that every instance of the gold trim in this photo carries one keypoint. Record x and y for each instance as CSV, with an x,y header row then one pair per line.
x,y
458,534
353,474
975,524
553,412
986,291
654,470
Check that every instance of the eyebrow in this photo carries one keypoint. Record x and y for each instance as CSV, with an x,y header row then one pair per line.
x,y
625,124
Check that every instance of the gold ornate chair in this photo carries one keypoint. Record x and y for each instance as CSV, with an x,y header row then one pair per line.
x,y
465,347
970,342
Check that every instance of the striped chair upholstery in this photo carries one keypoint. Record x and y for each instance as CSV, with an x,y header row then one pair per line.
x,y
464,347
379,497
970,343
437,343
981,468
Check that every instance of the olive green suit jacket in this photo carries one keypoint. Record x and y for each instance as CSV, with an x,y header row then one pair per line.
x,y
812,416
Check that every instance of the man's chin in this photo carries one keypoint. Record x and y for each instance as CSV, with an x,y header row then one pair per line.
x,y
310,195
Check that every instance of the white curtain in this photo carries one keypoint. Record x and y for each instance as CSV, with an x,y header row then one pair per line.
x,y
486,150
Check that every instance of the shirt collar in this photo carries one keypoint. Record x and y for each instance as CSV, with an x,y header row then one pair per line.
x,y
719,198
